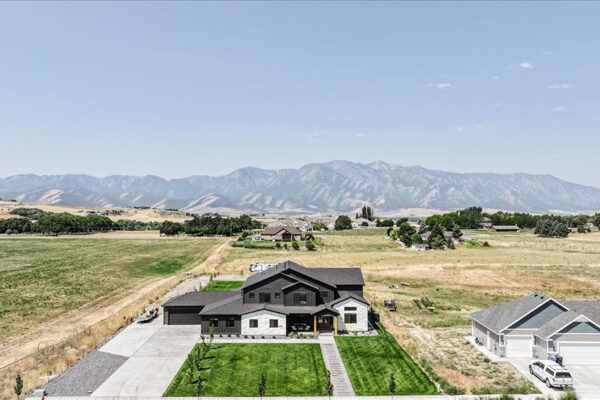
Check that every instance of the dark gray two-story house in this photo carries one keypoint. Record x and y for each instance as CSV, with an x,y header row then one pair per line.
x,y
274,301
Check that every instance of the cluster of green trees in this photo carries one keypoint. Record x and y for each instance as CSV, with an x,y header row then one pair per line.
x,y
66,223
15,225
366,212
386,223
342,223
133,225
211,225
552,227
30,213
408,235
472,218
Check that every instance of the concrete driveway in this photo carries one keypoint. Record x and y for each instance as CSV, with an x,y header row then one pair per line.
x,y
155,352
586,380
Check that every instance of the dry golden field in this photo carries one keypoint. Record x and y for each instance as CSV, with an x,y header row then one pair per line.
x,y
457,281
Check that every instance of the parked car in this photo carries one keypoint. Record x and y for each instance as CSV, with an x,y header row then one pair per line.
x,y
551,373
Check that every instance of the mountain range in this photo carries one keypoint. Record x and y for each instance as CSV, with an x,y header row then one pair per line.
x,y
319,188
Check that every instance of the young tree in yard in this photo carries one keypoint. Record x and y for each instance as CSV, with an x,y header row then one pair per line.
x,y
436,238
18,385
199,385
189,364
262,386
329,385
392,384
342,223
416,238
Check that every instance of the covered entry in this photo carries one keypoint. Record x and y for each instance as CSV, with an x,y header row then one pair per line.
x,y
325,320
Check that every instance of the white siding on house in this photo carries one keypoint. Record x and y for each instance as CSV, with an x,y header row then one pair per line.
x,y
362,315
264,327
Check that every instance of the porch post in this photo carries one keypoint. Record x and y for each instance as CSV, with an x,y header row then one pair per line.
x,y
315,325
335,325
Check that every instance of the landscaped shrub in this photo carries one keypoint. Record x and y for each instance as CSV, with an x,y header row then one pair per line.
x,y
310,246
569,395
296,246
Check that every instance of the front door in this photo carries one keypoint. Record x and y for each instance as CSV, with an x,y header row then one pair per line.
x,y
324,323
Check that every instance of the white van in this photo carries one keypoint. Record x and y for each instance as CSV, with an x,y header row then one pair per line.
x,y
551,373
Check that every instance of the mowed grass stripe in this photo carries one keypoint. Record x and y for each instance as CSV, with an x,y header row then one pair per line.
x,y
369,362
234,370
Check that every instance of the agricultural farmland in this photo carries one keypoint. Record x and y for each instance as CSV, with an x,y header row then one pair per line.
x,y
58,285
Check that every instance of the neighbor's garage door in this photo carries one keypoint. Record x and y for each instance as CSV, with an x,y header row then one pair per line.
x,y
580,353
519,346
184,316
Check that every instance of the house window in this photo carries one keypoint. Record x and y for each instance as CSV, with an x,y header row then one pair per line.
x,y
213,322
349,308
300,299
253,323
251,295
324,294
230,323
264,297
501,340
273,323
277,295
350,318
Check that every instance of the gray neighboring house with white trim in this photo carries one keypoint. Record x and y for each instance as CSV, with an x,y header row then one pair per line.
x,y
273,301
537,326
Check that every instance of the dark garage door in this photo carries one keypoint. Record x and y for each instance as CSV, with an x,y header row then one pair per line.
x,y
184,316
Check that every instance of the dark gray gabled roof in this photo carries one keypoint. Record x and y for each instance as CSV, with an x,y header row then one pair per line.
x,y
324,307
328,276
589,308
227,306
344,295
299,282
197,298
497,318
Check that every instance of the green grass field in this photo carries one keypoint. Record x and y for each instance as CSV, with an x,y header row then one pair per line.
x,y
223,286
235,370
45,278
370,360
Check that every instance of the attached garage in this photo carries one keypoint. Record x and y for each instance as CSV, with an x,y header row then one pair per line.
x,y
579,353
185,309
182,315
519,346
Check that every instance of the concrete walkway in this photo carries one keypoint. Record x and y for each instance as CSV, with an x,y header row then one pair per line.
x,y
335,365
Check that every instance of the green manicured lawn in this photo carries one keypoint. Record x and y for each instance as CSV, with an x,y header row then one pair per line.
x,y
235,370
369,362
222,286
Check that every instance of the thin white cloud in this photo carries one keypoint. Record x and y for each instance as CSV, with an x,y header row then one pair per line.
x,y
498,104
442,85
495,77
459,128
526,65
360,135
482,125
547,53
562,86
559,109
315,137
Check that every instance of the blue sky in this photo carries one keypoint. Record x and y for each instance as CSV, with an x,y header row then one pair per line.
x,y
183,88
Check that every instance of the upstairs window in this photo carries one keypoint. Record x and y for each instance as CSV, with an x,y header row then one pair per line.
x,y
251,295
300,299
277,295
253,323
324,294
230,323
349,308
273,323
264,297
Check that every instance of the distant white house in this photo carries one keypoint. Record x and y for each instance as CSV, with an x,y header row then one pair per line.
x,y
363,223
419,246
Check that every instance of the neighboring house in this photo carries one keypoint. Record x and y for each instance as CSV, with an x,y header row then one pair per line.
x,y
363,223
486,223
538,325
275,301
281,234
448,235
505,228
419,246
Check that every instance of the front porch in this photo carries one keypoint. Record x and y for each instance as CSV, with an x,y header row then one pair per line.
x,y
319,323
